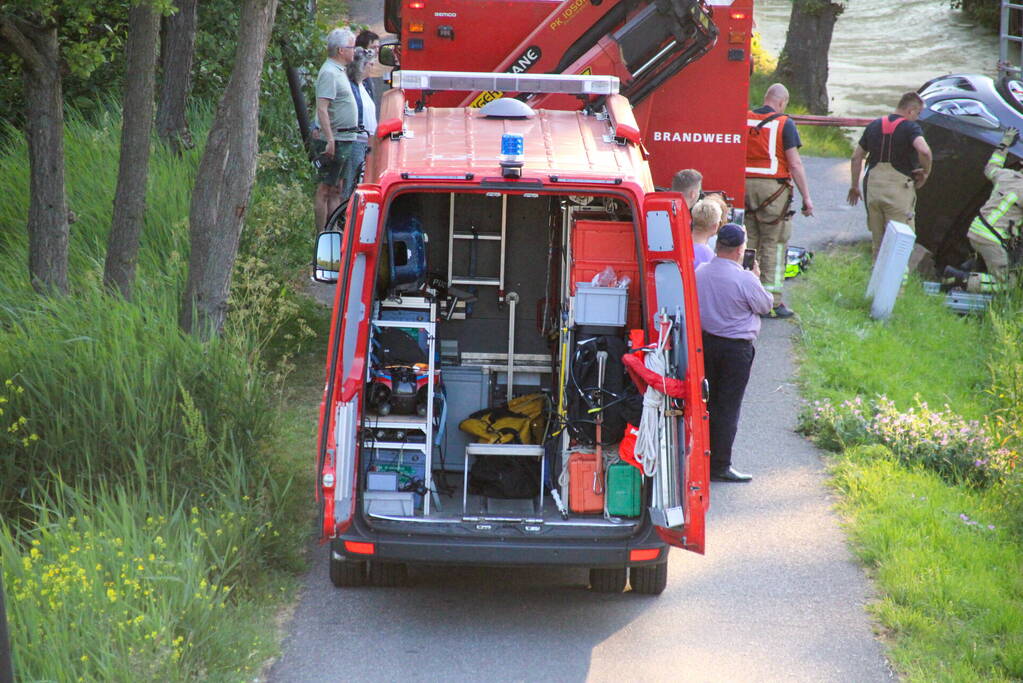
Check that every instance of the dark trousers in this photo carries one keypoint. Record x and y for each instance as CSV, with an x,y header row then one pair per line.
x,y
727,364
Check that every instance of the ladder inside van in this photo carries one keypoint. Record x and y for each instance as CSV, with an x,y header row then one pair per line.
x,y
474,237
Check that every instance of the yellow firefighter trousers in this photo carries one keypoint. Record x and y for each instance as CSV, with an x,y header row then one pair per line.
x,y
889,196
768,230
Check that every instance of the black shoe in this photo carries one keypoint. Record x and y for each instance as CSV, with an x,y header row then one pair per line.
x,y
730,474
954,278
779,311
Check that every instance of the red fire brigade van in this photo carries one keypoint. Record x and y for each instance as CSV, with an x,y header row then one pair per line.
x,y
683,64
514,371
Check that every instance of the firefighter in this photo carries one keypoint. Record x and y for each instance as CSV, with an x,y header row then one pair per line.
x,y
898,163
772,165
996,231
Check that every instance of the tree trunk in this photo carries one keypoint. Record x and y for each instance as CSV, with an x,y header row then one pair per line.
x,y
803,64
298,100
223,183
44,130
136,129
177,51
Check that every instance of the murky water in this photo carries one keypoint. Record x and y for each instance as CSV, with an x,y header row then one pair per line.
x,y
881,48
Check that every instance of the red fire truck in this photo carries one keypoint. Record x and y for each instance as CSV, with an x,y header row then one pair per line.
x,y
479,382
684,65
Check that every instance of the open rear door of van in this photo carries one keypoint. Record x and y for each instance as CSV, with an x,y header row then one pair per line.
x,y
680,498
337,451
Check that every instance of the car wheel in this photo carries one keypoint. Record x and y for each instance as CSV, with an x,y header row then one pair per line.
x,y
608,580
649,580
387,574
347,573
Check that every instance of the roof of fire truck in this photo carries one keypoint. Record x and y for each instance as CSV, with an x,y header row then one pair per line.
x,y
558,146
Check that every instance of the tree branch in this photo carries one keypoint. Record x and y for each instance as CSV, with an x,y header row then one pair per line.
x,y
14,36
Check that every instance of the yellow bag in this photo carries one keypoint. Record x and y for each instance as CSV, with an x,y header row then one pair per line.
x,y
520,421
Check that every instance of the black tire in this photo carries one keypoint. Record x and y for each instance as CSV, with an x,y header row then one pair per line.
x,y
649,580
608,580
336,219
388,574
347,573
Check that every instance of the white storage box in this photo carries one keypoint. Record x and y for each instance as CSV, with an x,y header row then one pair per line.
x,y
390,503
603,306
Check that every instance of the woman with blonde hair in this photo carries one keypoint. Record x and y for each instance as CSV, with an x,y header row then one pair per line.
x,y
706,215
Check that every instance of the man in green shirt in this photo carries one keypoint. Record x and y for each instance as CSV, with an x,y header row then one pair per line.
x,y
337,116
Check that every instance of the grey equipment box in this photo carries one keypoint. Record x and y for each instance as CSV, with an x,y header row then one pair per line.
x,y
389,503
467,389
603,306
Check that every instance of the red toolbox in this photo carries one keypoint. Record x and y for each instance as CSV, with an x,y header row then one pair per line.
x,y
598,244
585,484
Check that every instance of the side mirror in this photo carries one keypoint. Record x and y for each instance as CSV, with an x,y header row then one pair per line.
x,y
327,265
390,55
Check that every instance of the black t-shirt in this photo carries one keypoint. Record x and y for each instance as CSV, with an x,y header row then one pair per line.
x,y
903,156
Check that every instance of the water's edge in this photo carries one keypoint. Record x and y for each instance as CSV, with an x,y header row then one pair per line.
x,y
881,49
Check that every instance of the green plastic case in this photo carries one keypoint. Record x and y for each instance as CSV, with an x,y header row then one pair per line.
x,y
624,490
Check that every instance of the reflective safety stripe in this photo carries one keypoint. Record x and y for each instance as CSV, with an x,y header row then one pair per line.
x,y
978,228
984,283
780,261
996,161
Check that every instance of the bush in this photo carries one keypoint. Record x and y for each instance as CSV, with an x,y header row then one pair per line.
x,y
941,441
133,458
117,586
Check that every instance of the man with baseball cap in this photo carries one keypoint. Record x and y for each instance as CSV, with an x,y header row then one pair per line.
x,y
732,300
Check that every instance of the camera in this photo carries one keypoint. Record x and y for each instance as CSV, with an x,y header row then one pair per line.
x,y
749,257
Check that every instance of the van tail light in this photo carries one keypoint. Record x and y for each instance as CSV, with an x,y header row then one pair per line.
x,y
417,4
642,554
360,547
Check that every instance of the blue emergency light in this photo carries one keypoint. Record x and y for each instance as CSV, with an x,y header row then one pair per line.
x,y
511,145
512,149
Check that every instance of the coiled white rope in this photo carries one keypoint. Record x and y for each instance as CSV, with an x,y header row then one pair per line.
x,y
648,442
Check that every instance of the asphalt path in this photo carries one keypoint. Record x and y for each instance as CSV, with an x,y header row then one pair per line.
x,y
777,596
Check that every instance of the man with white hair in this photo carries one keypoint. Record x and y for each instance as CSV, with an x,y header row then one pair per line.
x,y
337,119
772,165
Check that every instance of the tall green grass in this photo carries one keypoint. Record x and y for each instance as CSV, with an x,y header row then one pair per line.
x,y
144,468
952,589
924,350
946,556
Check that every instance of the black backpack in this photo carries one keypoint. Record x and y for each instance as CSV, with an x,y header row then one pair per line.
x,y
584,395
503,476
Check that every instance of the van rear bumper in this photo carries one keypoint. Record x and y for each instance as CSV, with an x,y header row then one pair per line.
x,y
493,551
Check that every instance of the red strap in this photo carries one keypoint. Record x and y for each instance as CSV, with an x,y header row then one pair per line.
x,y
643,377
887,131
888,126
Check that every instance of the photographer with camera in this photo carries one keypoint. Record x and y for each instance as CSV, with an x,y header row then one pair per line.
x,y
732,299
995,233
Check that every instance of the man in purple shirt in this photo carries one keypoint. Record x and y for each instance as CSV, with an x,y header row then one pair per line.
x,y
731,303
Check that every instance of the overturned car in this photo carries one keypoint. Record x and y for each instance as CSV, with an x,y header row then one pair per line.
x,y
963,120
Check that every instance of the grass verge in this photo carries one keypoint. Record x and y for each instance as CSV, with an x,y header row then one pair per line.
x,y
152,507
944,546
